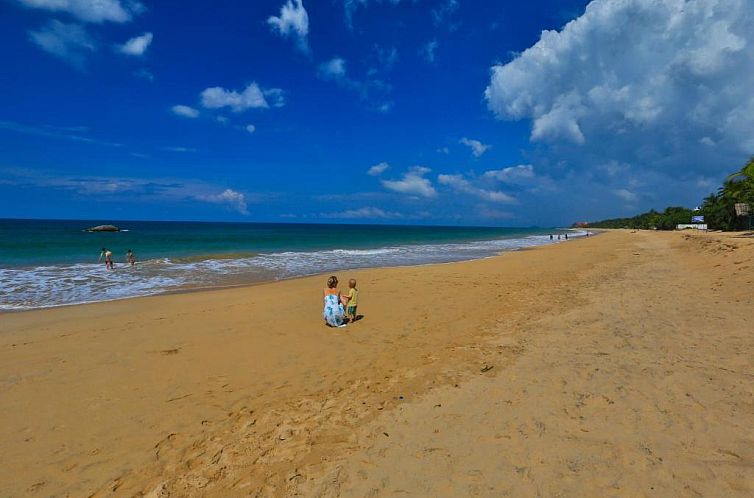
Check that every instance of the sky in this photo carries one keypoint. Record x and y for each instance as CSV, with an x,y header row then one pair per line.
x,y
448,112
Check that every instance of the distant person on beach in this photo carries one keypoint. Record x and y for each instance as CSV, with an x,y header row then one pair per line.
x,y
558,236
566,236
352,299
130,257
550,236
333,312
108,255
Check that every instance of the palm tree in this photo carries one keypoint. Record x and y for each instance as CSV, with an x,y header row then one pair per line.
x,y
718,211
740,185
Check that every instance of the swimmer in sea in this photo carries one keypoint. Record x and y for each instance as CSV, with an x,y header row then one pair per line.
x,y
130,257
108,255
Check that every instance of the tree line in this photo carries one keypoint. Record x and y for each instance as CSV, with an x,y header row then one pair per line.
x,y
717,208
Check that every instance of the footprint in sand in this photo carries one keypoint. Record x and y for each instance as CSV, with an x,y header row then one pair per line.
x,y
36,486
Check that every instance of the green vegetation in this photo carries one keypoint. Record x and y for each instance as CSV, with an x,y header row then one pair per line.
x,y
667,220
718,208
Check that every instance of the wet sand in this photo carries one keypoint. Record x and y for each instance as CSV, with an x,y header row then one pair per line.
x,y
619,365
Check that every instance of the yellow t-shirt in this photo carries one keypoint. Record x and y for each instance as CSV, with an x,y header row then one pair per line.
x,y
353,296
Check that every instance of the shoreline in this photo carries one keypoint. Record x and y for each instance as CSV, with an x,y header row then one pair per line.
x,y
201,288
241,391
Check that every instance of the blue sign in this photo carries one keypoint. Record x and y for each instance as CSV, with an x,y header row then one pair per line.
x,y
697,219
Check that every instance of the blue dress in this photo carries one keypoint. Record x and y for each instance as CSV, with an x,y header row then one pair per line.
x,y
333,312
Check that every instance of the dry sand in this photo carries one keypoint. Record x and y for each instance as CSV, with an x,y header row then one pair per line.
x,y
619,365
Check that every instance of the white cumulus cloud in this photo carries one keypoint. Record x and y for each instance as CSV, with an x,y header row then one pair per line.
x,y
378,169
96,11
231,198
512,174
626,195
664,85
70,42
275,97
136,46
184,111
477,147
335,68
412,183
463,185
252,97
293,22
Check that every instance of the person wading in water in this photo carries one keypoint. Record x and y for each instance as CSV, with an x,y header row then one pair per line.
x,y
108,255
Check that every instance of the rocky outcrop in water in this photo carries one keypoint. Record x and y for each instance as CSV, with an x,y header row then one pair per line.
x,y
103,228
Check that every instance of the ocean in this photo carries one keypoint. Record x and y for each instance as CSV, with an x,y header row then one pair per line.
x,y
47,263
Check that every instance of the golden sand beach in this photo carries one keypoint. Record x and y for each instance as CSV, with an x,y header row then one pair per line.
x,y
618,365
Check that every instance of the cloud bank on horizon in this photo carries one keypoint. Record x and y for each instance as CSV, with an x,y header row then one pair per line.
x,y
637,90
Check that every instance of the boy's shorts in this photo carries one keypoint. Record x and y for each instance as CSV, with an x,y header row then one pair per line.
x,y
352,310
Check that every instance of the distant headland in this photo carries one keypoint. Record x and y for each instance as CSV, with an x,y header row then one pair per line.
x,y
729,209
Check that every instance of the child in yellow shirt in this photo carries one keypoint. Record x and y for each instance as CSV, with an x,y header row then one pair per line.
x,y
351,298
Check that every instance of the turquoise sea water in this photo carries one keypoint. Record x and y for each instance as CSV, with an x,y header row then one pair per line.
x,y
54,262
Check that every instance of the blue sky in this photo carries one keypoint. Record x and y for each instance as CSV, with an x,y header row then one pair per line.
x,y
393,111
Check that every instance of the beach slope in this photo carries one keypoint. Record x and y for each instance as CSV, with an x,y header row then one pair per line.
x,y
614,365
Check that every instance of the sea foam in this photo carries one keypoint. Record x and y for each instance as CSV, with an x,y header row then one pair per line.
x,y
56,285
